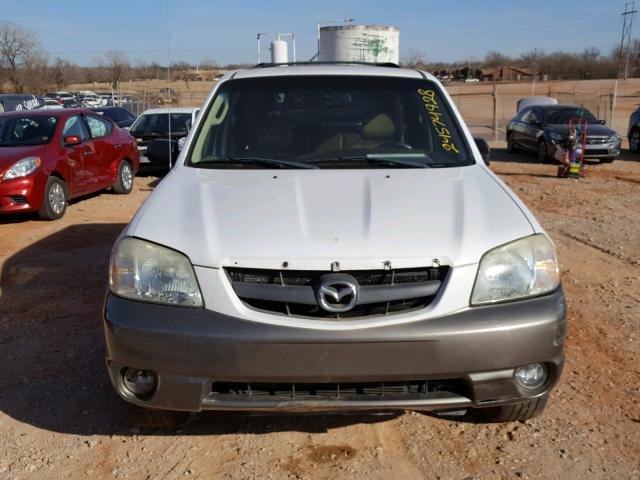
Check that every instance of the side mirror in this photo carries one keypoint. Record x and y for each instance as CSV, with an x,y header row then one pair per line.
x,y
484,149
602,122
72,140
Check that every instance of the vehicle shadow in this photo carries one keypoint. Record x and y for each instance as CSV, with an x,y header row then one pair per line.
x,y
502,155
627,156
53,373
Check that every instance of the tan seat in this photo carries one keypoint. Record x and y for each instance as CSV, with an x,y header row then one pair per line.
x,y
380,129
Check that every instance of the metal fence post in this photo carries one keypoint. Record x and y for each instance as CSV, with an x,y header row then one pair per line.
x,y
495,112
612,102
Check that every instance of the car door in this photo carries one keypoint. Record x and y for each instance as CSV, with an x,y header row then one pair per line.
x,y
517,126
532,127
106,148
78,156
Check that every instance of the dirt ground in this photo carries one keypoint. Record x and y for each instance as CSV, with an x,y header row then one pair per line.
x,y
59,418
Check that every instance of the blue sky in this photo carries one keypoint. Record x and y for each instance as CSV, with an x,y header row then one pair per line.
x,y
445,30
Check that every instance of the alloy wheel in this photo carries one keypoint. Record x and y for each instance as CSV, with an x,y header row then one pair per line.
x,y
126,176
56,198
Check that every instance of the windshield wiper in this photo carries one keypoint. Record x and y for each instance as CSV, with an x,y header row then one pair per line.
x,y
254,161
372,158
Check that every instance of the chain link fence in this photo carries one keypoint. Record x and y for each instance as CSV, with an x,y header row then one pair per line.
x,y
139,100
486,108
488,112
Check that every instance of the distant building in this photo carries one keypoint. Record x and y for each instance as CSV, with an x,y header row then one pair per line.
x,y
507,74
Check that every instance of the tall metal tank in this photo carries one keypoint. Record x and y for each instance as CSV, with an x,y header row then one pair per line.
x,y
360,43
279,51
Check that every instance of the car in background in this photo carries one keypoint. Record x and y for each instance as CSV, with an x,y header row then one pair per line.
x,y
543,128
529,101
171,124
118,115
111,99
633,131
48,157
12,102
89,100
51,104
68,99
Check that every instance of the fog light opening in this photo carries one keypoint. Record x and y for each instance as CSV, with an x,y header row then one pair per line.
x,y
531,376
139,382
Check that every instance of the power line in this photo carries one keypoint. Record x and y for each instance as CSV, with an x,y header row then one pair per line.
x,y
625,40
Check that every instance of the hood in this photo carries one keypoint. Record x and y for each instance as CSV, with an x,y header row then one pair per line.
x,y
311,218
593,130
10,155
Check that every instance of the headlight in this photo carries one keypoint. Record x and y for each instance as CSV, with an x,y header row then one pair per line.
x,y
524,268
558,137
141,270
22,168
181,143
613,139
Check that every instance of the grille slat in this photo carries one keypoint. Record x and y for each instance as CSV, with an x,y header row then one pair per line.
x,y
337,391
382,292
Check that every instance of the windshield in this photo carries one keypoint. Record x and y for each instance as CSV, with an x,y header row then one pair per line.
x,y
330,122
159,123
562,115
21,131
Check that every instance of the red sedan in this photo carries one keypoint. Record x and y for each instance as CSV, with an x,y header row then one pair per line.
x,y
50,156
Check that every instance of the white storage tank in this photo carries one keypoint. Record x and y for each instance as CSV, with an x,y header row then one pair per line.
x,y
360,43
279,51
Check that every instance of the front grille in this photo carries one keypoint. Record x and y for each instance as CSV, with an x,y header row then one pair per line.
x,y
597,140
254,287
596,152
398,390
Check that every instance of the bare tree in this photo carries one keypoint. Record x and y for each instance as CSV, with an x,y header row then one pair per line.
x,y
495,59
18,49
414,59
208,64
183,71
117,66
59,73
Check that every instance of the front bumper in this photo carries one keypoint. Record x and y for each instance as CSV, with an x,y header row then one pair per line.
x,y
21,194
192,349
607,151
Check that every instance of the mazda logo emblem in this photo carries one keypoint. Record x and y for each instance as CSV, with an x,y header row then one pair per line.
x,y
337,293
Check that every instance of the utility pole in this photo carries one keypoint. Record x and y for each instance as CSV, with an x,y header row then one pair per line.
x,y
625,40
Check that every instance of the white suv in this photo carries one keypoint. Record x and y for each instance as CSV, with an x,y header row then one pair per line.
x,y
332,239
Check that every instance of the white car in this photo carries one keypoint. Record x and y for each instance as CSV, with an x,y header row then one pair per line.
x,y
154,124
331,238
89,99
51,104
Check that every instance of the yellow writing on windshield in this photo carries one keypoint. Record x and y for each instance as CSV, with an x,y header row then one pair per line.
x,y
433,109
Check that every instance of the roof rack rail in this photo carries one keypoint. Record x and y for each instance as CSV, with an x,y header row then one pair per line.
x,y
370,64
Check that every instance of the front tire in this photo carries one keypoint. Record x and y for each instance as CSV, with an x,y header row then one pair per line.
x,y
124,183
518,412
543,151
511,146
634,141
155,419
54,203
